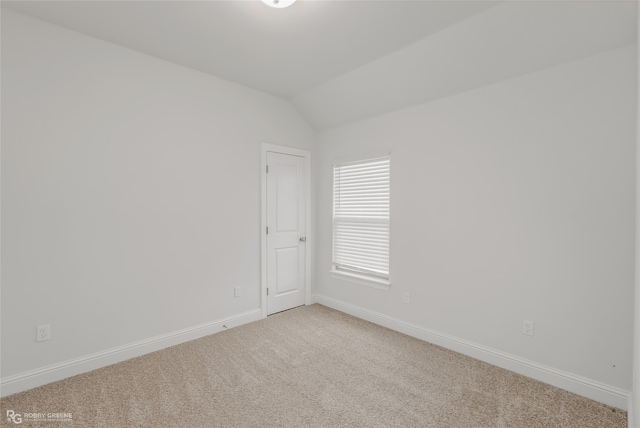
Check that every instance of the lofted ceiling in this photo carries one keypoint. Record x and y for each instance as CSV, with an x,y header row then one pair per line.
x,y
280,51
339,61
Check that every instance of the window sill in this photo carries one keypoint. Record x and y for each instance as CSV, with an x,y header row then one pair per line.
x,y
368,281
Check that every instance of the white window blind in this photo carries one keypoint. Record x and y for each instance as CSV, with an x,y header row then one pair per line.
x,y
361,201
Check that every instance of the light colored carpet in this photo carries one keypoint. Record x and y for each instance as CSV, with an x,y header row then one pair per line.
x,y
309,367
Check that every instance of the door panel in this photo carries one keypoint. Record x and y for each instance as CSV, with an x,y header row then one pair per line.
x,y
287,262
286,222
286,177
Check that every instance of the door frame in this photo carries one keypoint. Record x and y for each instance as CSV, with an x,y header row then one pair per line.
x,y
266,147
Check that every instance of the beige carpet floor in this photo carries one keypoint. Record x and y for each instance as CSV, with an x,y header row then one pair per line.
x,y
308,367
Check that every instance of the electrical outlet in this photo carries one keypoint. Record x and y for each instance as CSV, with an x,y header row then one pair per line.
x,y
406,297
527,327
236,292
43,332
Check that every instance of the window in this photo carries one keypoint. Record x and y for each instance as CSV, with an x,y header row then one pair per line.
x,y
361,196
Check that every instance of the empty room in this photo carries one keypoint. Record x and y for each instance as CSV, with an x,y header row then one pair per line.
x,y
319,213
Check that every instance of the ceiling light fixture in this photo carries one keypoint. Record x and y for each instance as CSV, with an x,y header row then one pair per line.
x,y
278,3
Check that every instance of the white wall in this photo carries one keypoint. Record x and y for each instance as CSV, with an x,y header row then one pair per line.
x,y
130,193
634,413
512,201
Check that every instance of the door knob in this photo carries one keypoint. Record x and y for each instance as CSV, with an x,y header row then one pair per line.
x,y
303,239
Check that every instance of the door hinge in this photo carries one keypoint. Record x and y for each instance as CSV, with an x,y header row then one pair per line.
x,y
267,230
267,169
267,291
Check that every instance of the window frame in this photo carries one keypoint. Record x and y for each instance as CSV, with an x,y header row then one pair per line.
x,y
353,276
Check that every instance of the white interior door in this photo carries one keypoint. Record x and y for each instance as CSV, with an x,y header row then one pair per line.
x,y
286,226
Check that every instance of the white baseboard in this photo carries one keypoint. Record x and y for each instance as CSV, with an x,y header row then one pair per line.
x,y
42,376
589,388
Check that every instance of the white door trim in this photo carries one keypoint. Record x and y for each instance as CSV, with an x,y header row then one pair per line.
x,y
263,223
